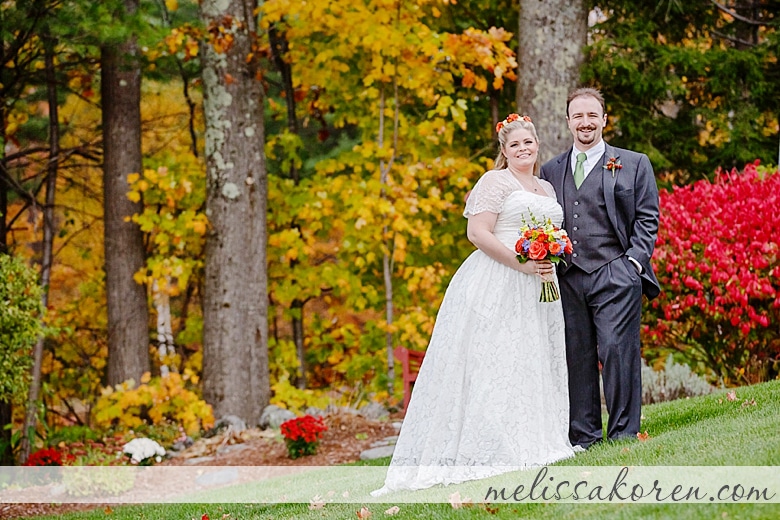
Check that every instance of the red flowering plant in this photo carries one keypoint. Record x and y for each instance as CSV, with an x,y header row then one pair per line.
x,y
47,457
543,241
717,258
302,435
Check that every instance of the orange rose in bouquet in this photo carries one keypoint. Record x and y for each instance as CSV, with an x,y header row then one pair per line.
x,y
543,241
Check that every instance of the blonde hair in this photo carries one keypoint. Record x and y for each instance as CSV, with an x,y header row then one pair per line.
x,y
507,128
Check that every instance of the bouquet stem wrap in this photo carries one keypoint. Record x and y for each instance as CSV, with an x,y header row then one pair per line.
x,y
550,291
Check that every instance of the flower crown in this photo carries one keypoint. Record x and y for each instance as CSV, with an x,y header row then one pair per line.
x,y
511,118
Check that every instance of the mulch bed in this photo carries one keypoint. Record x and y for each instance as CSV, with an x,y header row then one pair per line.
x,y
347,436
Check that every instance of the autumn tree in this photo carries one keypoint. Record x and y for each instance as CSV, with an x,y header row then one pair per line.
x,y
128,313
235,328
388,188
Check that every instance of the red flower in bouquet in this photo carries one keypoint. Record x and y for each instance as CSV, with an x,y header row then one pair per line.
x,y
543,241
302,435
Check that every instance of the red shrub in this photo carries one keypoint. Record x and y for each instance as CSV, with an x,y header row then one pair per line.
x,y
717,261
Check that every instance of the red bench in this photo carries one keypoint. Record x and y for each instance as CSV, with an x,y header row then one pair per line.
x,y
410,365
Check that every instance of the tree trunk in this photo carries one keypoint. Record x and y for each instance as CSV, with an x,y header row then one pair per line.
x,y
30,418
6,412
279,48
162,305
4,187
551,35
235,309
387,257
128,312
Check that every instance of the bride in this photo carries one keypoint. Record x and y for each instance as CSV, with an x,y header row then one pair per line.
x,y
492,394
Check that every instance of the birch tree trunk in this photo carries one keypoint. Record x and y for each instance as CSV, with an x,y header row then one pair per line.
x,y
128,312
235,313
162,305
551,35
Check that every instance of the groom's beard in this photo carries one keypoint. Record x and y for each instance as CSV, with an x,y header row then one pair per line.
x,y
586,140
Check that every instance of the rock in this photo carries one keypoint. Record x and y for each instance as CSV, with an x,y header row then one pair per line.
x,y
273,416
314,412
387,441
230,448
377,453
373,411
229,422
198,460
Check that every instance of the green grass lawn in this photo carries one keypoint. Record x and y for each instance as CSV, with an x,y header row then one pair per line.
x,y
705,431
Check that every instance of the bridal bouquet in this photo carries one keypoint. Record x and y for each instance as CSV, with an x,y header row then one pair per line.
x,y
543,241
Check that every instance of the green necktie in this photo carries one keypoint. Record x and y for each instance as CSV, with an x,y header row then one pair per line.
x,y
579,169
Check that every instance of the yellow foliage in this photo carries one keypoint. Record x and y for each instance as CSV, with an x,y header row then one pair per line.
x,y
157,401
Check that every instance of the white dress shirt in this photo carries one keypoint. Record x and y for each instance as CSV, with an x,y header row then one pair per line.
x,y
594,157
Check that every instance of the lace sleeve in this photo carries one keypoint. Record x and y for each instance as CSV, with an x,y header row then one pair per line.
x,y
488,194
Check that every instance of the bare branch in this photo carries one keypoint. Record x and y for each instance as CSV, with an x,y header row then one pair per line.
x,y
735,15
733,39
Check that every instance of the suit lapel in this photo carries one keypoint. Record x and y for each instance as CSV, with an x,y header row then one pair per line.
x,y
608,183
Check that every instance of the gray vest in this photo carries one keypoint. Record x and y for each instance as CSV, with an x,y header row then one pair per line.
x,y
594,241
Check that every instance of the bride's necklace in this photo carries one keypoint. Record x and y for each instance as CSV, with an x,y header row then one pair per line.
x,y
535,186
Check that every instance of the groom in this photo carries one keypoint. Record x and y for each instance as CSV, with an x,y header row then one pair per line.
x,y
610,202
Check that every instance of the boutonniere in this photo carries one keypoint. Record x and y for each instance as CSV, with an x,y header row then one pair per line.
x,y
613,164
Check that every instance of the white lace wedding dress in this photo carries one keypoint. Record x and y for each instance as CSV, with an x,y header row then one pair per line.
x,y
492,394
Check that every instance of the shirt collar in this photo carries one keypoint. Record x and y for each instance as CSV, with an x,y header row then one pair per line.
x,y
594,154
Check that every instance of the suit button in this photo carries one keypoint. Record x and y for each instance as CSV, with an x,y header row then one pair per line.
x,y
575,228
574,255
575,242
576,203
576,216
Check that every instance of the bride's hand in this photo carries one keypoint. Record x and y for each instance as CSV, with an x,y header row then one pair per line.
x,y
538,267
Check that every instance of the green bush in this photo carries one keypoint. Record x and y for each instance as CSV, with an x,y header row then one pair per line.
x,y
20,326
672,382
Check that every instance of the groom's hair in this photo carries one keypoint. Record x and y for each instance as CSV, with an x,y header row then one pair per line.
x,y
586,91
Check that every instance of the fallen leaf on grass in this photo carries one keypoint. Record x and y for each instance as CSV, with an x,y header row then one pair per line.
x,y
316,503
364,513
393,510
749,402
643,436
732,396
108,510
457,502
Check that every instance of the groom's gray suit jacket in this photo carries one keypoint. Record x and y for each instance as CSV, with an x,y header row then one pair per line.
x,y
631,204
